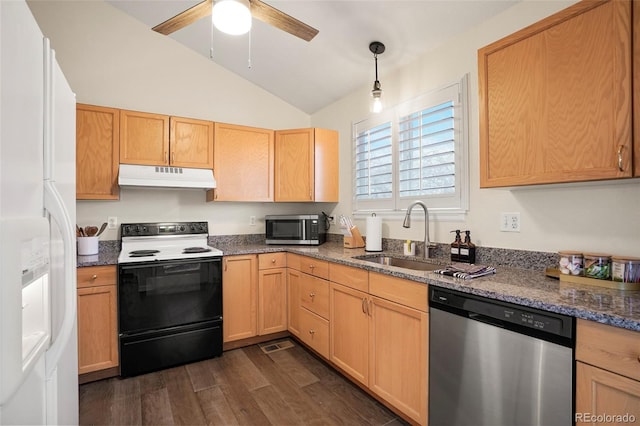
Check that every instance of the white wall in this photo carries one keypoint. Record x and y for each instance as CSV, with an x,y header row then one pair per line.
x,y
590,217
111,59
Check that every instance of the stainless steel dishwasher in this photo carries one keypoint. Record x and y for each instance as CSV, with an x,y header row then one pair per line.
x,y
496,363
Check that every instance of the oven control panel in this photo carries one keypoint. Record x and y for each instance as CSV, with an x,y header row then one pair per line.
x,y
164,228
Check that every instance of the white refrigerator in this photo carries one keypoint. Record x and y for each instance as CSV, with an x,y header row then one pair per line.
x,y
38,327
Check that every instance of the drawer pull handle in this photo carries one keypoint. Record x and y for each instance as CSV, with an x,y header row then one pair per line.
x,y
312,295
94,277
620,158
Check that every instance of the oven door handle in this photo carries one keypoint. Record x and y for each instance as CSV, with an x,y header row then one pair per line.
x,y
165,263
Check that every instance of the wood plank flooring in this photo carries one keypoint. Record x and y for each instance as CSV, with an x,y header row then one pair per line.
x,y
242,387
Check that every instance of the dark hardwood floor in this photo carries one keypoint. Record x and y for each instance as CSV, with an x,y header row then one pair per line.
x,y
242,387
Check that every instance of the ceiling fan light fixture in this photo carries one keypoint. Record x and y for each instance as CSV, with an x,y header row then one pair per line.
x,y
376,48
232,16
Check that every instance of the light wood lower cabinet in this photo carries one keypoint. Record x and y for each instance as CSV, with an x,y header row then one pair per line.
x,y
293,299
607,374
398,350
97,319
350,331
379,342
272,293
239,297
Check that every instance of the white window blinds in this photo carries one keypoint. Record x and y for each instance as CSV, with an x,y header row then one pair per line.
x,y
416,150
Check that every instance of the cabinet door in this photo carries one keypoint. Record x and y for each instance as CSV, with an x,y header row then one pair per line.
x,y
272,301
144,138
191,143
243,163
349,336
602,393
636,84
555,99
293,305
97,152
294,165
398,343
326,166
97,328
239,293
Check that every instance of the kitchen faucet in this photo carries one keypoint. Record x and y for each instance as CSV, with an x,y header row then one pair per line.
x,y
407,224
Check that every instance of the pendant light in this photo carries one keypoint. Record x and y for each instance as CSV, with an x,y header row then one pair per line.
x,y
232,16
376,48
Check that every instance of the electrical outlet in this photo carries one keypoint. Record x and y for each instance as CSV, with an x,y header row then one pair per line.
x,y
510,222
252,220
112,222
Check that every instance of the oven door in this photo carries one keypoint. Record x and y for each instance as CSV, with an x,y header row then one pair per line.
x,y
159,295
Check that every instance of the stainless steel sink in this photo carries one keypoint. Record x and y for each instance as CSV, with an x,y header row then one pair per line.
x,y
401,263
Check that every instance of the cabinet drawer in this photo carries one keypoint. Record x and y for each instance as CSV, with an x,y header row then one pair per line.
x,y
314,331
94,276
309,265
351,277
614,349
314,294
272,260
405,292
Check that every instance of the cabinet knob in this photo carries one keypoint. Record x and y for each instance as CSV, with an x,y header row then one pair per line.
x,y
312,332
273,261
94,277
311,266
312,295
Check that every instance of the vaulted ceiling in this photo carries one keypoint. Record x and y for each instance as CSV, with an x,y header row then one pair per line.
x,y
312,75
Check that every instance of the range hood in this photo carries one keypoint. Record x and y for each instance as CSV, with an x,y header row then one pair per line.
x,y
165,177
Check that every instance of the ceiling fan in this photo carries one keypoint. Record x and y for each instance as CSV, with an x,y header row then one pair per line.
x,y
259,10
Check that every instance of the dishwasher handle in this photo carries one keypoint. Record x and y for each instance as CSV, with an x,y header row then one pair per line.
x,y
485,319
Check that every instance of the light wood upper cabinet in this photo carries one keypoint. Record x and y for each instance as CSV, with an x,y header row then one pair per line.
x,y
97,152
306,165
239,297
555,99
191,143
636,84
160,140
243,163
144,138
97,319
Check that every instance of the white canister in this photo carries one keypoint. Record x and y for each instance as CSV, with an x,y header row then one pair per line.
x,y
87,246
374,233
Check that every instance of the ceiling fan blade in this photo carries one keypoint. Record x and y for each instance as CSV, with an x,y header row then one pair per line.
x,y
272,16
185,18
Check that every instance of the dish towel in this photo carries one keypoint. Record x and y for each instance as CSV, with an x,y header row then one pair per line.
x,y
466,271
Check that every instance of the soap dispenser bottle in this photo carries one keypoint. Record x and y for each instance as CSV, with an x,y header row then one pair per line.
x,y
467,249
455,247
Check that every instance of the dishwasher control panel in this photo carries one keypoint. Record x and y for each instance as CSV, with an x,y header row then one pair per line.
x,y
500,314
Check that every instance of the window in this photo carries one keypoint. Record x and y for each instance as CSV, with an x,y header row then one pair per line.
x,y
415,151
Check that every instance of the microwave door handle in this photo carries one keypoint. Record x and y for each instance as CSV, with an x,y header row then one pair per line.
x,y
304,229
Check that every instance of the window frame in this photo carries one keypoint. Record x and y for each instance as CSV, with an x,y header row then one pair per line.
x,y
452,207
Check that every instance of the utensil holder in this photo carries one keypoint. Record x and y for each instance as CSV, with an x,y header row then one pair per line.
x,y
87,246
355,240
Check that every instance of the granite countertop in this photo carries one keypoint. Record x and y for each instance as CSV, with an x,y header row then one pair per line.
x,y
520,286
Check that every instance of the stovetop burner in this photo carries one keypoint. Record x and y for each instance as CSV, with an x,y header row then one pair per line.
x,y
196,250
143,253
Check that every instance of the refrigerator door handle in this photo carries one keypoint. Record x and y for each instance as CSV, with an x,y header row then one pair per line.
x,y
55,206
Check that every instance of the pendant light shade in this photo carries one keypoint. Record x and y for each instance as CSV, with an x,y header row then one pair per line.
x,y
376,105
232,16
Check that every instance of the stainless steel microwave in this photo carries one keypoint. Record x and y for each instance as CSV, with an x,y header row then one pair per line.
x,y
303,229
